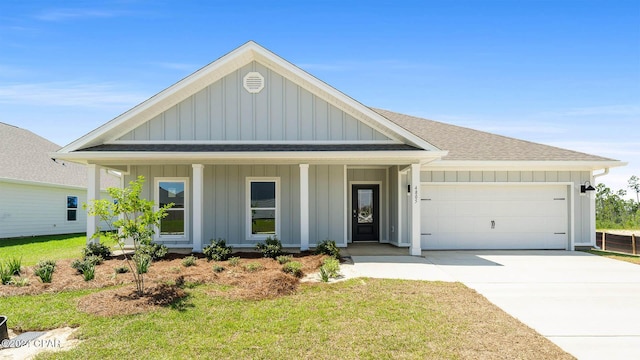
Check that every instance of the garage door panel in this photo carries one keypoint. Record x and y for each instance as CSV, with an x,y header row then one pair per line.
x,y
494,217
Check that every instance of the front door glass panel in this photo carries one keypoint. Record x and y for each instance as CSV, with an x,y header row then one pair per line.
x,y
365,206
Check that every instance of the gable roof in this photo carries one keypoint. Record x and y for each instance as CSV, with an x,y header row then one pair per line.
x,y
228,63
466,144
24,156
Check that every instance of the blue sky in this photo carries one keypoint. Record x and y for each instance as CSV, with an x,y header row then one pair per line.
x,y
564,73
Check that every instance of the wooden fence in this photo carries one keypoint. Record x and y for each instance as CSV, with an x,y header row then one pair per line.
x,y
618,243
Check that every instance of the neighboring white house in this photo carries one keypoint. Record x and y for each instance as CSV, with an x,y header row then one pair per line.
x,y
40,196
252,146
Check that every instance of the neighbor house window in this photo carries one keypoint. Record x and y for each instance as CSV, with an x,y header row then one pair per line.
x,y
72,208
173,191
263,201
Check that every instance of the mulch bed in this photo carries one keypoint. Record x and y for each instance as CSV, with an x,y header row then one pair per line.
x,y
165,281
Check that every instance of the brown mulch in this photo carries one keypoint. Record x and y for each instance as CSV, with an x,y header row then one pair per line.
x,y
160,282
125,301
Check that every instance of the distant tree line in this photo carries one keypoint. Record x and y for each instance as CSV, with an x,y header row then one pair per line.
x,y
613,211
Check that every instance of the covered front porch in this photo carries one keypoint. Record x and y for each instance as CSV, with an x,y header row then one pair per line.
x,y
302,204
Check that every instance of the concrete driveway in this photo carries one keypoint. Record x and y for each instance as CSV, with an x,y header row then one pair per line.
x,y
586,304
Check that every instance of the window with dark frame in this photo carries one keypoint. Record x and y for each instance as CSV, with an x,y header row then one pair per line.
x,y
72,208
263,207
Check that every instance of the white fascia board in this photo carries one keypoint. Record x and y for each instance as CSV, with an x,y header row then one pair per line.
x,y
463,165
43,184
253,142
287,156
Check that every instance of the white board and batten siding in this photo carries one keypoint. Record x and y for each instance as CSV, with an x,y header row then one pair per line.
x,y
224,210
503,210
282,111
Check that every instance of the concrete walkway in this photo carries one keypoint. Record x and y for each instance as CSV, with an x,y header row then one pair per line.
x,y
586,304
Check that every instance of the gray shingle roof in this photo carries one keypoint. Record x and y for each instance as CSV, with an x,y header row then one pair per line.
x,y
468,144
25,156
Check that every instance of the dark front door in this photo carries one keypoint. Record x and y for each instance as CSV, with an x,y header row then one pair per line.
x,y
364,212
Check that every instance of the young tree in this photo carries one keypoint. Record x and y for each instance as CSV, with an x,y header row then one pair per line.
x,y
135,219
634,184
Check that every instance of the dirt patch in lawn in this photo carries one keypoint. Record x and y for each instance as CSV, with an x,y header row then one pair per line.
x,y
252,277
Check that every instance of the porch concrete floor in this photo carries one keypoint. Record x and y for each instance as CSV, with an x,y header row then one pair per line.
x,y
373,249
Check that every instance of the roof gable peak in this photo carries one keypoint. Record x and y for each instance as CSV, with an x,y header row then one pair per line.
x,y
232,61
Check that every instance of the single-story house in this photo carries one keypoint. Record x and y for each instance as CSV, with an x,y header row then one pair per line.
x,y
252,146
40,196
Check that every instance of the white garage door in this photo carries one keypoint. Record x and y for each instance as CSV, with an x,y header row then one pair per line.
x,y
494,217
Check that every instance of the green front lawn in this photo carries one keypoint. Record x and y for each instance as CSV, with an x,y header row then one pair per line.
x,y
34,249
356,319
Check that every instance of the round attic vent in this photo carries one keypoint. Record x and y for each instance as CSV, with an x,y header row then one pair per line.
x,y
253,82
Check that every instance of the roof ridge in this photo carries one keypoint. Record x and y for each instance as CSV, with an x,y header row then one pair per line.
x,y
4,123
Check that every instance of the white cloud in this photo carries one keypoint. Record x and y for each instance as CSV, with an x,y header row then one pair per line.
x,y
69,94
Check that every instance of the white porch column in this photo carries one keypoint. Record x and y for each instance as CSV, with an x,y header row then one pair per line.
x,y
304,207
198,201
414,232
93,193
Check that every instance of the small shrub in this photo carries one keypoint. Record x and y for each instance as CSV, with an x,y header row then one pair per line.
x,y
189,261
234,261
271,248
217,268
14,266
89,272
5,275
283,259
332,267
94,259
253,267
175,269
44,270
324,275
142,261
217,250
328,247
89,262
96,249
19,281
154,250
122,269
47,262
294,268
78,265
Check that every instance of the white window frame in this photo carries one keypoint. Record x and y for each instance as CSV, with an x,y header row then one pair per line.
x,y
249,180
66,206
187,219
